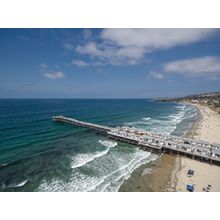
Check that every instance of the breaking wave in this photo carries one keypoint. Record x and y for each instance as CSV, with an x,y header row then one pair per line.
x,y
108,144
146,119
3,164
110,181
82,159
166,123
18,185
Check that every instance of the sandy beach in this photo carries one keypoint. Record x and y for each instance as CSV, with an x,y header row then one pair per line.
x,y
209,126
207,129
169,172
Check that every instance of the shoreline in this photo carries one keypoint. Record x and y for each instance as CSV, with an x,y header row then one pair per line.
x,y
168,173
207,128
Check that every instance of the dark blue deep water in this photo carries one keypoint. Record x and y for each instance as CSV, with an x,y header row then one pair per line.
x,y
37,154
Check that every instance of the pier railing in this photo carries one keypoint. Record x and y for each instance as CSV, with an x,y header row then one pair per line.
x,y
82,124
155,142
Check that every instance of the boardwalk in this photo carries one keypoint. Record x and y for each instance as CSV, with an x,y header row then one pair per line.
x,y
155,142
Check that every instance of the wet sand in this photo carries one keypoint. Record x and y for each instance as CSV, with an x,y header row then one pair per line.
x,y
169,172
152,177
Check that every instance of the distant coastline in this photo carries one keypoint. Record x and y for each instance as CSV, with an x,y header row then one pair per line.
x,y
211,100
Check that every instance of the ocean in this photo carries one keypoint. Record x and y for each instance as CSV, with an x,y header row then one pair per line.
x,y
37,154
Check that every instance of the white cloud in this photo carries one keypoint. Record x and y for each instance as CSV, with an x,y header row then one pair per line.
x,y
155,38
54,75
203,66
89,48
110,54
43,66
155,75
80,63
129,46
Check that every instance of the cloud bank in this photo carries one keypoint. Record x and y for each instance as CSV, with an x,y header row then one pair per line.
x,y
129,46
204,66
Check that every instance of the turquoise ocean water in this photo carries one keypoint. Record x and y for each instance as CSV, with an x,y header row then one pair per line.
x,y
37,154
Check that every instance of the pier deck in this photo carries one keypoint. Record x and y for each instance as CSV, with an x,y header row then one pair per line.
x,y
154,142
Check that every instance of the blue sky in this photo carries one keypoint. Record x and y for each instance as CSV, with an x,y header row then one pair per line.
x,y
108,63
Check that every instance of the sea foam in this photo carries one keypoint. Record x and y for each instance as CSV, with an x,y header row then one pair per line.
x,y
107,182
82,159
146,119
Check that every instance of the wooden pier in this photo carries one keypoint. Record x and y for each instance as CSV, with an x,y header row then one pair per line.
x,y
149,141
97,127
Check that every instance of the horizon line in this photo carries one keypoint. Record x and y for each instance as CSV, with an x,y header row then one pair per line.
x,y
79,98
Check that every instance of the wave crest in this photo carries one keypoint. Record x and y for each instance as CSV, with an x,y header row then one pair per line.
x,y
18,185
82,159
108,144
147,118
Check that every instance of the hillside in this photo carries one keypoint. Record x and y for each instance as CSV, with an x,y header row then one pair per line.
x,y
211,100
